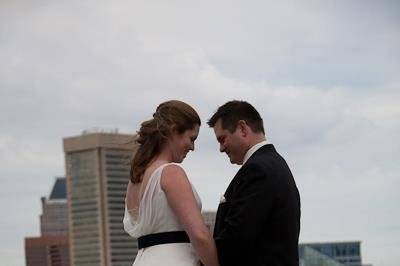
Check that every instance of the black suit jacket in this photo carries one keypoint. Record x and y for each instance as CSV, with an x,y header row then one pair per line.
x,y
259,223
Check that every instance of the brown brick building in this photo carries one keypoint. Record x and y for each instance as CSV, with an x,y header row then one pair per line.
x,y
47,251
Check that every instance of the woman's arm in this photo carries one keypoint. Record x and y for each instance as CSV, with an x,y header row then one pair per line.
x,y
180,197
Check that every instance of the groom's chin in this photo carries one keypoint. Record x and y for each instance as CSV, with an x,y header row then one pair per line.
x,y
234,161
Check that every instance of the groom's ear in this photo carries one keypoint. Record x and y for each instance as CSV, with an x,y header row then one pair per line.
x,y
242,127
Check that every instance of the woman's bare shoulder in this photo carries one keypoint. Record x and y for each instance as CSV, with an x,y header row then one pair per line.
x,y
173,175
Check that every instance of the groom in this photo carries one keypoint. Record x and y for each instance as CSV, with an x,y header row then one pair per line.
x,y
258,219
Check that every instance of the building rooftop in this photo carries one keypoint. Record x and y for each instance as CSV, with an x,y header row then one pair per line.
x,y
89,141
45,241
59,189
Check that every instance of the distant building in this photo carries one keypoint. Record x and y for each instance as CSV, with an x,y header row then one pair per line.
x,y
47,251
97,169
54,220
311,257
209,219
51,248
346,253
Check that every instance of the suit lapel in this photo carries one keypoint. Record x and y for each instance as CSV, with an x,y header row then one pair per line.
x,y
236,180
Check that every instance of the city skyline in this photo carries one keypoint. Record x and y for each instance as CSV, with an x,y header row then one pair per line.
x,y
324,75
53,218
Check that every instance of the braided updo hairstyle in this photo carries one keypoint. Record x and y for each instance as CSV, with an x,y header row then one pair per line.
x,y
170,116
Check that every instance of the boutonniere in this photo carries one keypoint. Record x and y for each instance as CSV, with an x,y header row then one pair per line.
x,y
222,199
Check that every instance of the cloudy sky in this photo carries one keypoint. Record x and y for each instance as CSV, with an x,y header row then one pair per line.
x,y
325,76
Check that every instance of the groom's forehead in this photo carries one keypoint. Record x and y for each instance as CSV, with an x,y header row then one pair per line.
x,y
218,130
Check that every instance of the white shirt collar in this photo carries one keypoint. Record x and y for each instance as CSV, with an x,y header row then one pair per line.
x,y
254,149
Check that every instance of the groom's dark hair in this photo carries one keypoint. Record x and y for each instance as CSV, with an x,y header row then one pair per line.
x,y
231,112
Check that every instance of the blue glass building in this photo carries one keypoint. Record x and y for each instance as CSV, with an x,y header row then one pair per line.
x,y
346,253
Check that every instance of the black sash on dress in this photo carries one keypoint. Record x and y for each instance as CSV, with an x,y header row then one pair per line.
x,y
163,238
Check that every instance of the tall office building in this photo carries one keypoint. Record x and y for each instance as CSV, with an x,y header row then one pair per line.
x,y
51,248
97,169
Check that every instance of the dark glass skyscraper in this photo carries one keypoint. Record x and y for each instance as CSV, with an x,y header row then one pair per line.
x,y
54,220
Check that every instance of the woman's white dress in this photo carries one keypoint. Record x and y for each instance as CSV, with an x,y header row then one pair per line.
x,y
155,216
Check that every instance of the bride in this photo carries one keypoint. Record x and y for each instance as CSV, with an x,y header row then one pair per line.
x,y
163,210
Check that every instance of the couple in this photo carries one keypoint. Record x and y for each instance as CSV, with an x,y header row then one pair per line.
x,y
258,219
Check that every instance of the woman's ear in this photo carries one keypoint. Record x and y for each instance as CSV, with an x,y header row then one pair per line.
x,y
174,129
